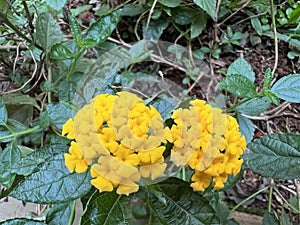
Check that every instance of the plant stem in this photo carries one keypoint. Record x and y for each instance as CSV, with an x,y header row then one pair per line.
x,y
14,135
247,199
270,195
275,36
49,74
72,215
16,29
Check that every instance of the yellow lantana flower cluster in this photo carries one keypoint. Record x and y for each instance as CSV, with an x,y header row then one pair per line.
x,y
120,138
207,141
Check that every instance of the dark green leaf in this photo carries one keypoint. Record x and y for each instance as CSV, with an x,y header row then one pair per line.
x,y
52,184
102,28
184,15
60,214
165,106
80,9
254,106
238,85
276,156
133,10
246,127
288,88
267,79
107,209
209,6
19,99
8,157
75,29
31,162
61,52
21,222
269,219
57,114
294,17
183,205
48,32
170,3
242,67
256,25
155,29
3,113
56,4
198,24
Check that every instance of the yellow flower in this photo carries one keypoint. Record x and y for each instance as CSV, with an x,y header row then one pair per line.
x,y
120,138
68,129
75,160
208,141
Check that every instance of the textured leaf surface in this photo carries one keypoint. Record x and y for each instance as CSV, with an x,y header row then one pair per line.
x,y
198,24
238,85
269,219
31,162
106,209
8,157
48,32
208,6
246,127
21,222
254,106
242,67
53,183
19,99
288,88
276,156
179,204
100,30
60,214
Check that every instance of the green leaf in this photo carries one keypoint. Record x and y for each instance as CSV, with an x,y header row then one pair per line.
x,y
100,30
8,157
61,52
3,113
164,106
155,29
288,88
48,32
133,10
294,17
56,114
246,127
198,25
242,67
183,205
238,85
257,25
80,9
267,79
52,184
254,106
19,99
170,3
269,219
59,214
56,4
276,156
209,6
75,29
184,15
106,209
33,161
21,222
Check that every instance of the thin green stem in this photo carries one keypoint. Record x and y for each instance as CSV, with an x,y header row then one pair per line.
x,y
183,173
247,199
285,201
17,134
74,63
72,215
49,74
275,36
270,195
17,30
